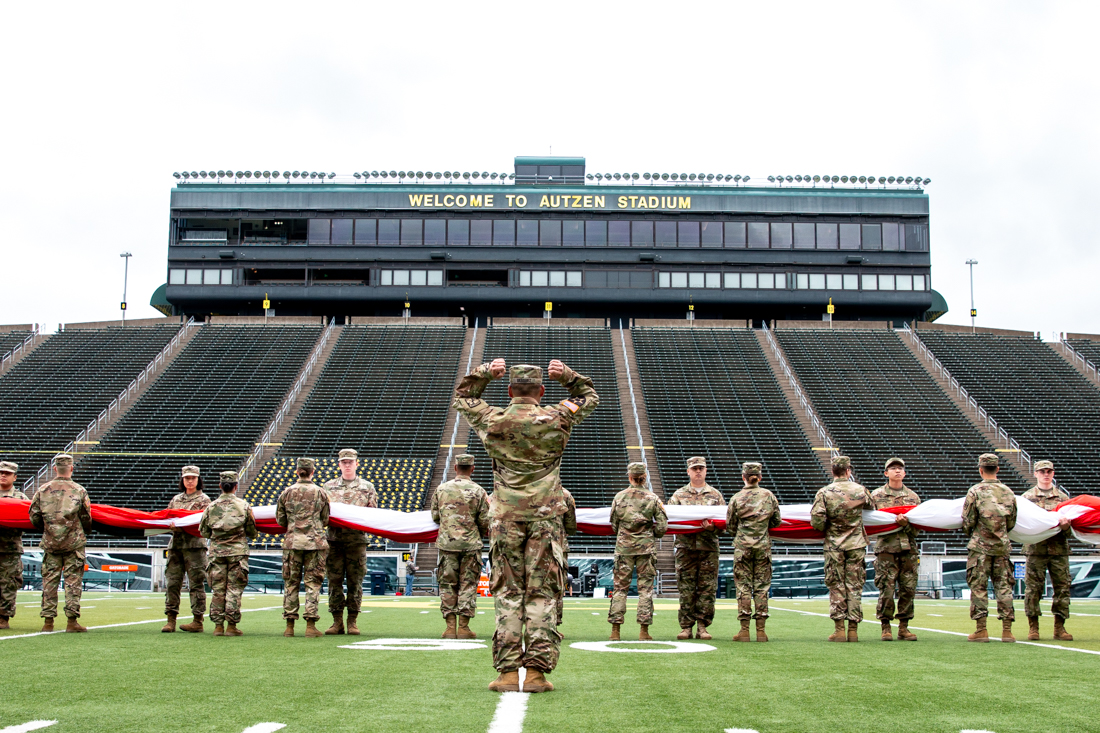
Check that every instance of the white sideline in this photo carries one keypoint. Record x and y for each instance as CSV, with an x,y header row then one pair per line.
x,y
33,725
259,728
952,633
110,626
510,713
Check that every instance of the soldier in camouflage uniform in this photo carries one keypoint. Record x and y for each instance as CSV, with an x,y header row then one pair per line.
x,y
11,548
526,442
897,558
347,548
1051,554
302,510
989,514
461,509
229,525
569,525
752,512
838,512
62,511
697,554
639,521
186,554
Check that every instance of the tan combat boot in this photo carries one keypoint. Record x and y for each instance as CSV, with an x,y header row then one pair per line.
x,y
47,625
1006,631
760,635
743,634
701,632
1060,633
289,627
506,682
536,682
615,632
450,632
684,633
337,627
353,627
219,628
4,623
464,631
904,634
887,635
853,631
74,627
980,634
838,630
169,627
1033,628
643,634
312,632
232,630
195,627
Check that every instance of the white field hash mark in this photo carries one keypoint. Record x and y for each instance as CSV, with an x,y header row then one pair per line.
x,y
510,712
33,725
263,728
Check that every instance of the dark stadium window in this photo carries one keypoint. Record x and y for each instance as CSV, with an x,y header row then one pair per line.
x,y
803,236
891,241
688,233
666,233
504,232
918,280
826,236
527,232
319,231
412,232
481,232
550,233
366,231
389,231
758,234
341,231
572,233
711,233
618,233
435,232
595,234
735,234
781,235
916,237
458,232
641,234
849,236
872,236
598,278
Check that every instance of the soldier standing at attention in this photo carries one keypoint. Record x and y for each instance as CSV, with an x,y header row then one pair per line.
x,y
302,510
989,514
186,554
347,548
11,548
229,525
62,512
569,525
639,521
752,512
526,442
838,512
697,554
461,509
897,559
1051,554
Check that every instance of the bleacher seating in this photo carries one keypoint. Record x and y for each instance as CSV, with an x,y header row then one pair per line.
x,y
207,408
710,392
1033,393
1088,348
10,339
401,485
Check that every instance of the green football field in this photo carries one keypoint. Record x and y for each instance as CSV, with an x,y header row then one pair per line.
x,y
127,676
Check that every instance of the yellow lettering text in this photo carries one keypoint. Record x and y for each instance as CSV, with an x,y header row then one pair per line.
x,y
509,196
684,203
642,202
653,202
488,200
622,202
416,199
460,200
521,200
588,202
475,200
601,202
576,202
449,200
633,202
544,203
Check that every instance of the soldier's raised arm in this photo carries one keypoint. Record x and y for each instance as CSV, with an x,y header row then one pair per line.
x,y
660,520
582,395
818,514
467,396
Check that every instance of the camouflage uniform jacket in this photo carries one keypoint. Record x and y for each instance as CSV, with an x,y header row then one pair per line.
x,y
194,502
838,512
989,514
525,441
461,509
752,512
706,496
11,540
303,510
638,520
229,525
1049,500
357,492
62,511
904,540
569,519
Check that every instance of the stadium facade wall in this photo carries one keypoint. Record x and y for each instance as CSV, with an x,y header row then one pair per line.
x,y
850,325
17,327
967,329
685,323
131,322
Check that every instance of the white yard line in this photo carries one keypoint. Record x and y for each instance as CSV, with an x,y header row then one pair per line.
x,y
264,728
510,713
33,725
111,626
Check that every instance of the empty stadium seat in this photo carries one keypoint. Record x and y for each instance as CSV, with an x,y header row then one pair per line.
x,y
10,339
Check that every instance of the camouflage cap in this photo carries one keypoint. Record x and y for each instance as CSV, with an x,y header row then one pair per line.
x,y
307,463
842,462
228,477
525,374
347,453
464,459
9,467
191,471
989,460
697,461
893,461
1039,465
63,459
636,468
752,469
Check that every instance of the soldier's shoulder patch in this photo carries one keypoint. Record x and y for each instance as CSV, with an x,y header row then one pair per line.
x,y
573,403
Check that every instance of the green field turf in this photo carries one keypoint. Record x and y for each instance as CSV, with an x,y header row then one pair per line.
x,y
133,678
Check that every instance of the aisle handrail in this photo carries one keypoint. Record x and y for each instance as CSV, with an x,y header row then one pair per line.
x,y
458,418
803,401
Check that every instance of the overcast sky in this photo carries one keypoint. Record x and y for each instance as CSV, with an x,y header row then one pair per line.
x,y
995,102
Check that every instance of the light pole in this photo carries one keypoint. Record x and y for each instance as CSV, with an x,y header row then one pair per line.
x,y
125,276
973,310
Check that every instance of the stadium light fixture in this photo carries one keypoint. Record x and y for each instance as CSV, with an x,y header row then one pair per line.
x,y
511,176
125,276
494,176
202,174
927,181
466,175
357,176
973,310
744,178
634,176
484,174
790,179
177,175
